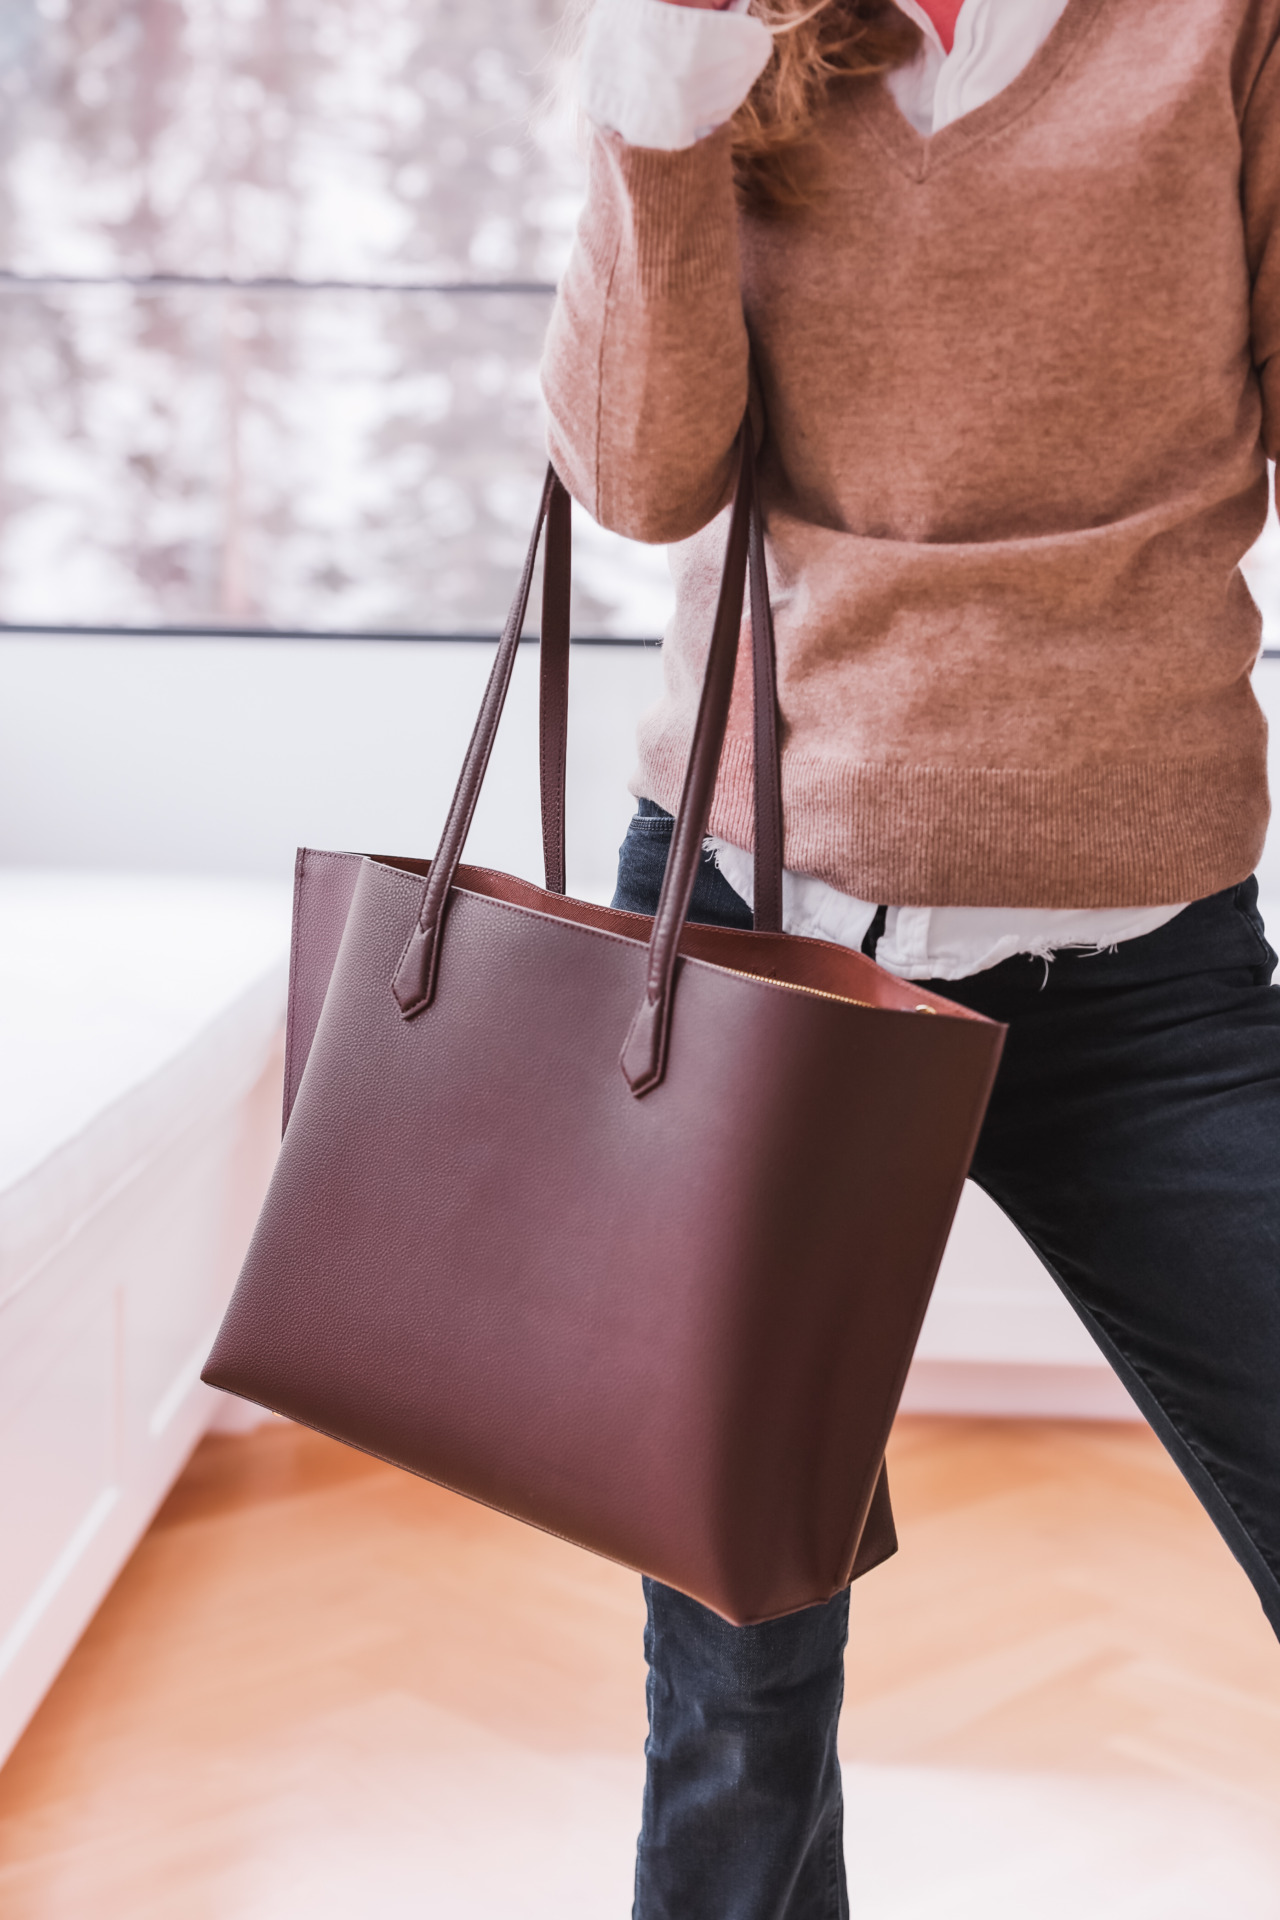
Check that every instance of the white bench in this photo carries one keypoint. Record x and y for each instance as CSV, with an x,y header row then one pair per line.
x,y
140,1068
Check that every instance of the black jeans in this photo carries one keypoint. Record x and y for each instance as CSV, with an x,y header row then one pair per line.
x,y
1134,1138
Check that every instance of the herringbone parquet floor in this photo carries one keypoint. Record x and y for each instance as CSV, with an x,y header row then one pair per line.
x,y
321,1688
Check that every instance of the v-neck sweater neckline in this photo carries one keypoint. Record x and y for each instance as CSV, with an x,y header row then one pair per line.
x,y
919,155
1013,444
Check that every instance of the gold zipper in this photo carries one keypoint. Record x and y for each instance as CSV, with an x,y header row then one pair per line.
x,y
819,993
792,986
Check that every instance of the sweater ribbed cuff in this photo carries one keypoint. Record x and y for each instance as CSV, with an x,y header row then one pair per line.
x,y
678,213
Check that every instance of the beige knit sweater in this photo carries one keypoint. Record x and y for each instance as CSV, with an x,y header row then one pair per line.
x,y
1016,386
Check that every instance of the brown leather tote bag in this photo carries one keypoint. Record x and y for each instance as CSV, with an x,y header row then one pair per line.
x,y
623,1226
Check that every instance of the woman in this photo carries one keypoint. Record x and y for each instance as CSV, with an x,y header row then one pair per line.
x,y
1000,283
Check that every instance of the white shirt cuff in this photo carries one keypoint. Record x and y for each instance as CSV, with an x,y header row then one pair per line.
x,y
665,76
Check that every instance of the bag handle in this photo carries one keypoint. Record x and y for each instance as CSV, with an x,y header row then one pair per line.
x,y
413,982
553,680
644,1053
553,712
767,915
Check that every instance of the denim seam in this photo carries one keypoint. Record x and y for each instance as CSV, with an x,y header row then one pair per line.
x,y
1113,1351
1233,1506
1253,920
1267,959
833,1863
837,1823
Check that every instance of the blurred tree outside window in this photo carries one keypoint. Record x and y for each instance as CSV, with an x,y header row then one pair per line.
x,y
274,276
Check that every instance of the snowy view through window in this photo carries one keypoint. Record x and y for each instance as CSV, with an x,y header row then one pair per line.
x,y
276,275
331,445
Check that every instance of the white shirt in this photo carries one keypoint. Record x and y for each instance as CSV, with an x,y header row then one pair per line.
x,y
665,76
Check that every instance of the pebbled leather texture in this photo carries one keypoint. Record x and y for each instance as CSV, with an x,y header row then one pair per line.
x,y
323,884
553,681
767,879
413,978
644,1052
673,1329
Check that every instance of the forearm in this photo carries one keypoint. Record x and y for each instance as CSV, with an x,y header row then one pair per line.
x,y
1261,205
645,372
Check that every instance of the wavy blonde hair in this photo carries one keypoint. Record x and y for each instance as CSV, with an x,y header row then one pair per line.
x,y
816,44
814,48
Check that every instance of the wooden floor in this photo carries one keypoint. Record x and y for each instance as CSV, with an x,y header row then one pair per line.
x,y
323,1688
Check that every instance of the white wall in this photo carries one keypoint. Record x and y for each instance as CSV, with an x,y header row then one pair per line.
x,y
223,756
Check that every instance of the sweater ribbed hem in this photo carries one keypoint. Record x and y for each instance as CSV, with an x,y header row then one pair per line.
x,y
1139,833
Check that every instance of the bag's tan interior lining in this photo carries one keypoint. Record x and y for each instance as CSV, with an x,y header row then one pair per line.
x,y
817,965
